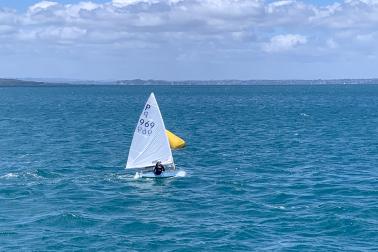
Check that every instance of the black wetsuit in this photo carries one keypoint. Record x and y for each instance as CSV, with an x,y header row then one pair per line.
x,y
159,168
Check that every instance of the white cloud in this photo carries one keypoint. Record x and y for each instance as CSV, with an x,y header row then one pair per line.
x,y
44,5
124,3
82,6
225,28
200,21
62,34
220,18
280,43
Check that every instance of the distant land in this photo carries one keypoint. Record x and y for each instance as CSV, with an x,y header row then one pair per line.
x,y
16,82
62,82
249,82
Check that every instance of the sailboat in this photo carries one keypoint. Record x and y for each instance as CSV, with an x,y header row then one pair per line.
x,y
151,143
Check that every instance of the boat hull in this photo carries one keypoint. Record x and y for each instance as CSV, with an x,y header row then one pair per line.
x,y
167,174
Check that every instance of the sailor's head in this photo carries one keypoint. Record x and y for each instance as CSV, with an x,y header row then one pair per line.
x,y
158,162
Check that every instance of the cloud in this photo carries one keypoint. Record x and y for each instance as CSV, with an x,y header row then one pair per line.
x,y
280,43
40,6
124,3
215,30
198,20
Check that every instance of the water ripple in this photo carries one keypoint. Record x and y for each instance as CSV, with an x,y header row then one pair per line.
x,y
290,168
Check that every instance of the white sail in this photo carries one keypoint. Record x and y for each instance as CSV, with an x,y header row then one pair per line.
x,y
150,143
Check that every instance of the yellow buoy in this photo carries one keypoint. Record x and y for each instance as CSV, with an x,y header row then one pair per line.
x,y
174,141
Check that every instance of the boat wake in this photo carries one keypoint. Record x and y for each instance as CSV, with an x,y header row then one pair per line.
x,y
181,173
21,175
137,175
176,174
9,176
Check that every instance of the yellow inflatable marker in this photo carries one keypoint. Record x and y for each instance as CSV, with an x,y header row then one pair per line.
x,y
174,141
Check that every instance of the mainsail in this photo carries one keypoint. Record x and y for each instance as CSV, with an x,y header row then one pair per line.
x,y
150,143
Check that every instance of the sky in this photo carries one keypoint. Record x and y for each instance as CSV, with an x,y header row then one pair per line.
x,y
188,39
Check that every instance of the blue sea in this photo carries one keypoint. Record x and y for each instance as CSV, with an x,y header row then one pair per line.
x,y
268,168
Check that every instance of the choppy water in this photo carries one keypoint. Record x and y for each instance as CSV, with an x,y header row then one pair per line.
x,y
282,168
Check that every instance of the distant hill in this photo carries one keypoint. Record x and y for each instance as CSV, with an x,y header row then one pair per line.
x,y
250,82
16,82
63,82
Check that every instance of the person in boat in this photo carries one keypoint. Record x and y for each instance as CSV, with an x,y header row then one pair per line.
x,y
159,168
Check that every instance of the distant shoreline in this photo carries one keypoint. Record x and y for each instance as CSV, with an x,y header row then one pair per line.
x,y
139,82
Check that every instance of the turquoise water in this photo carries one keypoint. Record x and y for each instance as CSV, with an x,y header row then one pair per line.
x,y
282,168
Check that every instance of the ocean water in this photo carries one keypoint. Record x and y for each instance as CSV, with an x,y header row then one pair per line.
x,y
268,168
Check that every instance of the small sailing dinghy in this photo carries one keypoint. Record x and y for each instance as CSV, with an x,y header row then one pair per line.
x,y
150,144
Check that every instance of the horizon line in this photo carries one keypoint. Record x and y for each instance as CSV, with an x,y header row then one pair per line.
x,y
41,79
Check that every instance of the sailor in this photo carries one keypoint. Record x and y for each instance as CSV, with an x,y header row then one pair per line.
x,y
159,168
